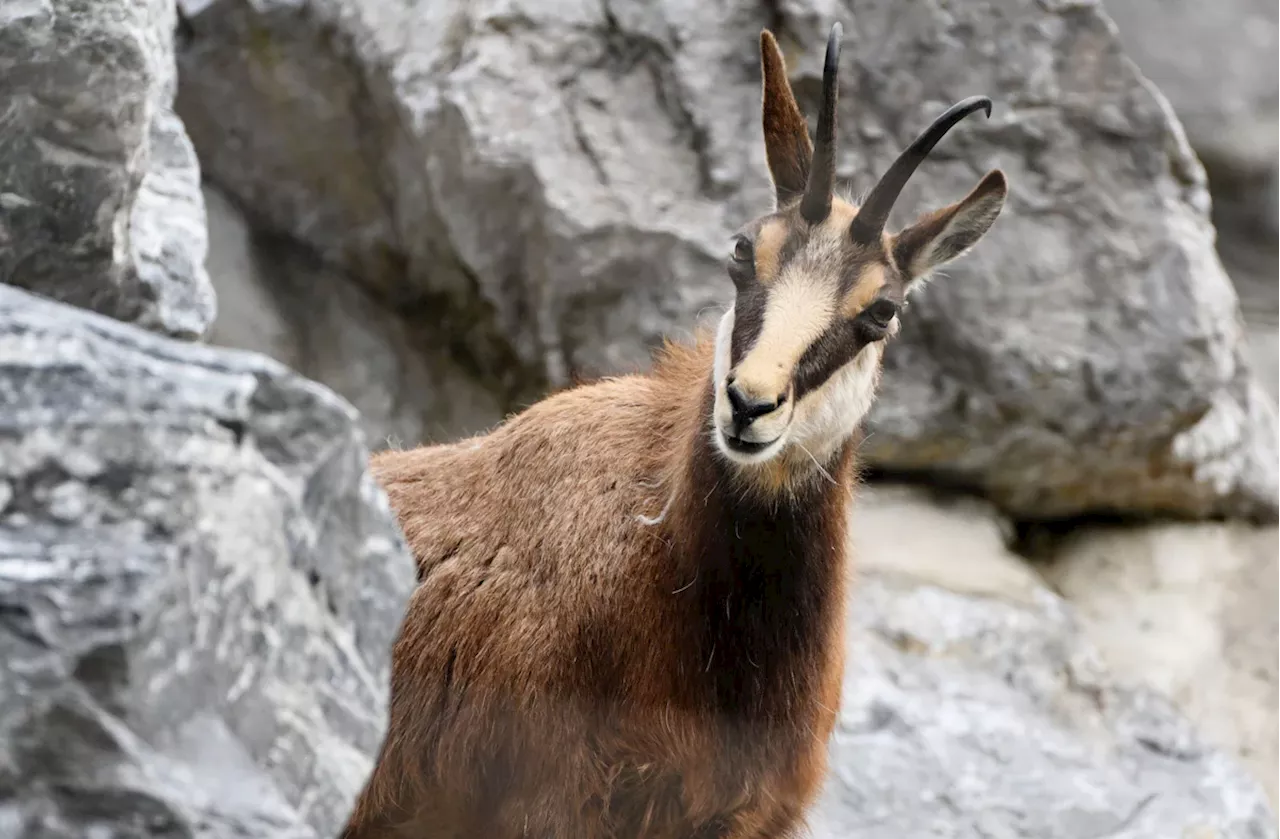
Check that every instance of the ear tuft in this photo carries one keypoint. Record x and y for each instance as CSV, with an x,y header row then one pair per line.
x,y
994,183
943,235
787,146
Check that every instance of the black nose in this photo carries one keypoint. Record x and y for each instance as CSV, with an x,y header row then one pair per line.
x,y
745,408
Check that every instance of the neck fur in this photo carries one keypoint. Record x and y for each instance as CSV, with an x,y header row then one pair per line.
x,y
758,559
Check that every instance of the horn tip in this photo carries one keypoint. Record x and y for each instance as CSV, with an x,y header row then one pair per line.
x,y
833,48
974,103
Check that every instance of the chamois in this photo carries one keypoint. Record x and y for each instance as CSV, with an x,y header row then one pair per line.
x,y
630,608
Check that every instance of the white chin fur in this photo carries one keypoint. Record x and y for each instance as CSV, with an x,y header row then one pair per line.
x,y
840,405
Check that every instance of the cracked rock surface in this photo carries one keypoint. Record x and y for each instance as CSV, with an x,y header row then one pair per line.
x,y
199,587
278,299
1190,609
974,706
99,185
550,186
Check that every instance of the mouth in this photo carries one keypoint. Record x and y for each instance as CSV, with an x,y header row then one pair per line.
x,y
743,451
746,447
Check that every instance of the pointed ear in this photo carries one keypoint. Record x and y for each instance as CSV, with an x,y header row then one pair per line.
x,y
786,135
941,236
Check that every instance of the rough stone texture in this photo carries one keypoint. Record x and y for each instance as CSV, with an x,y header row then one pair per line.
x,y
1191,611
276,298
199,586
1217,64
99,185
553,186
1227,105
974,707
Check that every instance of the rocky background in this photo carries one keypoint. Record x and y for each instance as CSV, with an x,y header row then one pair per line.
x,y
242,241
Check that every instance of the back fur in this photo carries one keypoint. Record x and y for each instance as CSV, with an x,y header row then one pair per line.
x,y
570,669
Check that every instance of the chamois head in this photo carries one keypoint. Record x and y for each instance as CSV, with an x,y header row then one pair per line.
x,y
820,284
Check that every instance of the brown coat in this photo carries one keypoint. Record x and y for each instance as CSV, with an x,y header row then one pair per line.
x,y
568,668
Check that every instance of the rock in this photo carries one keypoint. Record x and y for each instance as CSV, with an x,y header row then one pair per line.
x,y
1254,264
983,710
279,300
99,185
549,189
1189,609
954,542
199,586
1216,63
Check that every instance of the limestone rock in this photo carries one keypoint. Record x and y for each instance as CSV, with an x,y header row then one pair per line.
x,y
1189,609
974,706
550,188
199,586
1216,63
99,185
277,298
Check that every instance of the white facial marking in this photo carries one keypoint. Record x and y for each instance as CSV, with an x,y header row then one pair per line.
x,y
721,412
828,416
796,312
724,337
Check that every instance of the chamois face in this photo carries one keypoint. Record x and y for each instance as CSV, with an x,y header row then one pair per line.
x,y
820,285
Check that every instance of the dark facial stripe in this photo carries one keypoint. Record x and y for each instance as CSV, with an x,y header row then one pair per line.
x,y
797,240
834,348
748,320
849,277
753,299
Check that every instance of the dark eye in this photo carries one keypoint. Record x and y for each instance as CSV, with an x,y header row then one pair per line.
x,y
742,250
881,312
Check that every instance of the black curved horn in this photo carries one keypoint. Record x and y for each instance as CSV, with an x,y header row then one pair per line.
x,y
816,204
868,225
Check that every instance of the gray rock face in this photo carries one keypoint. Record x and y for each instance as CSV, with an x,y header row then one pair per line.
x,y
548,188
1190,609
1216,63
199,587
973,718
99,185
276,298
974,707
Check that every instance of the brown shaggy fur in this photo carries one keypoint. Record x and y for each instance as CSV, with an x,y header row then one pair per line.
x,y
567,671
